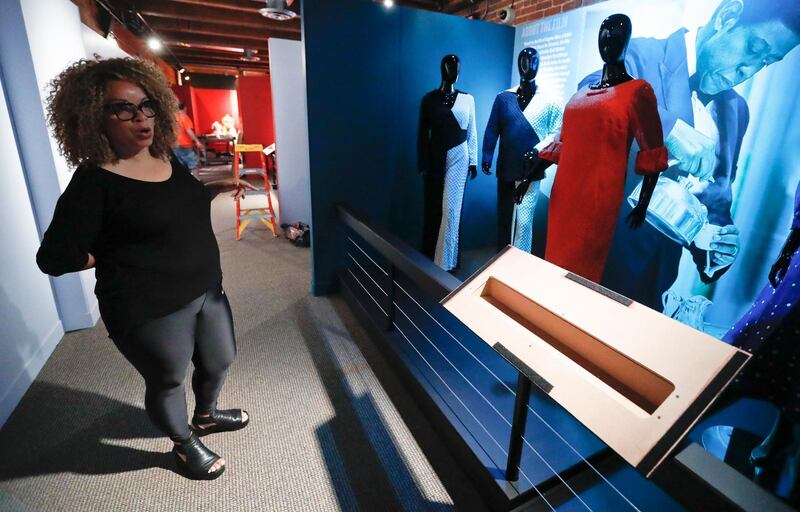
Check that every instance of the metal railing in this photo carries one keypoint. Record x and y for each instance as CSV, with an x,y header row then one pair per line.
x,y
400,289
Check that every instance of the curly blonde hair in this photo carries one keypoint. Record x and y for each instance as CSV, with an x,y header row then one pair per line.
x,y
75,107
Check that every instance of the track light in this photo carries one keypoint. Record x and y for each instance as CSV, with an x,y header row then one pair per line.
x,y
154,44
186,78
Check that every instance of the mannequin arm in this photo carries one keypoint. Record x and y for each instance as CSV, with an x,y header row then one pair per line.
x,y
490,136
652,156
637,216
781,264
472,136
534,171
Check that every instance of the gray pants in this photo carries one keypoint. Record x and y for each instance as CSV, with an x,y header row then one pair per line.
x,y
160,350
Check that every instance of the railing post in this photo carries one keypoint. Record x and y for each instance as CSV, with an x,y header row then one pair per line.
x,y
391,295
518,427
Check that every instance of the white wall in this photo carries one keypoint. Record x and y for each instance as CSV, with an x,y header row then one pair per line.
x,y
56,40
288,76
38,38
29,324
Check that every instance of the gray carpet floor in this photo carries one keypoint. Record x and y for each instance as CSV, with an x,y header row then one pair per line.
x,y
331,427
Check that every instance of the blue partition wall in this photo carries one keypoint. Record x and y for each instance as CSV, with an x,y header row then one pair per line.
x,y
367,68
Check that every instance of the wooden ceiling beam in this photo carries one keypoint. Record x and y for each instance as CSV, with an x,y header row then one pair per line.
x,y
193,68
224,64
174,10
182,50
202,52
221,70
211,58
207,62
213,29
172,38
231,5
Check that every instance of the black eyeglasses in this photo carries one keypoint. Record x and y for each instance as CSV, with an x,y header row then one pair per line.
x,y
125,111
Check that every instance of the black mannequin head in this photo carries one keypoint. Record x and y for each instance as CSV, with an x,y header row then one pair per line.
x,y
528,64
613,39
450,68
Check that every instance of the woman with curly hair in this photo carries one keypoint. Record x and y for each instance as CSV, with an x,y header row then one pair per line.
x,y
144,223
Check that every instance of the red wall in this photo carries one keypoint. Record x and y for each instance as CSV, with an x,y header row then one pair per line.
x,y
210,105
255,105
253,102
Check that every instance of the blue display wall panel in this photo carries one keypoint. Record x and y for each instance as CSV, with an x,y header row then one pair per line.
x,y
367,68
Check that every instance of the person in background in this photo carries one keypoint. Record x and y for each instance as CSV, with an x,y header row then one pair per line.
x,y
144,223
187,140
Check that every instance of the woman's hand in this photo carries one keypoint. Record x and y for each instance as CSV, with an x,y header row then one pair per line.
x,y
89,262
237,185
239,188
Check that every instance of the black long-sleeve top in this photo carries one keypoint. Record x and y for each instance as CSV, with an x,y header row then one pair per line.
x,y
153,244
440,130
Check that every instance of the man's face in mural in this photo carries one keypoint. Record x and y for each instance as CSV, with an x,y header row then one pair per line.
x,y
734,52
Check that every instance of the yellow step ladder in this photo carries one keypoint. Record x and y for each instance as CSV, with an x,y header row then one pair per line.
x,y
245,215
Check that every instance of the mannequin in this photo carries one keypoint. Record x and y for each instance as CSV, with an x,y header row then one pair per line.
x,y
449,68
592,149
615,30
613,39
524,120
528,67
769,331
448,152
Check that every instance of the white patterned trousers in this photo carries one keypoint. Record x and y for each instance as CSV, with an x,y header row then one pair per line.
x,y
455,181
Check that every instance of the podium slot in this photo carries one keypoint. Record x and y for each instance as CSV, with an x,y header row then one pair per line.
x,y
638,384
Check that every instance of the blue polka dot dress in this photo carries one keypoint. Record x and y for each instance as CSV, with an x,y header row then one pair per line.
x,y
770,330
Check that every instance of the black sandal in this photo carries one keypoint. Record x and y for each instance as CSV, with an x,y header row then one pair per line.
x,y
199,459
226,420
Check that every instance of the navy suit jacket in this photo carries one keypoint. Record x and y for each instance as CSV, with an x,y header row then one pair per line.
x,y
638,257
516,135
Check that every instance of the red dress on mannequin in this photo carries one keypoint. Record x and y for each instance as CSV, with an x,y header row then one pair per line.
x,y
592,156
